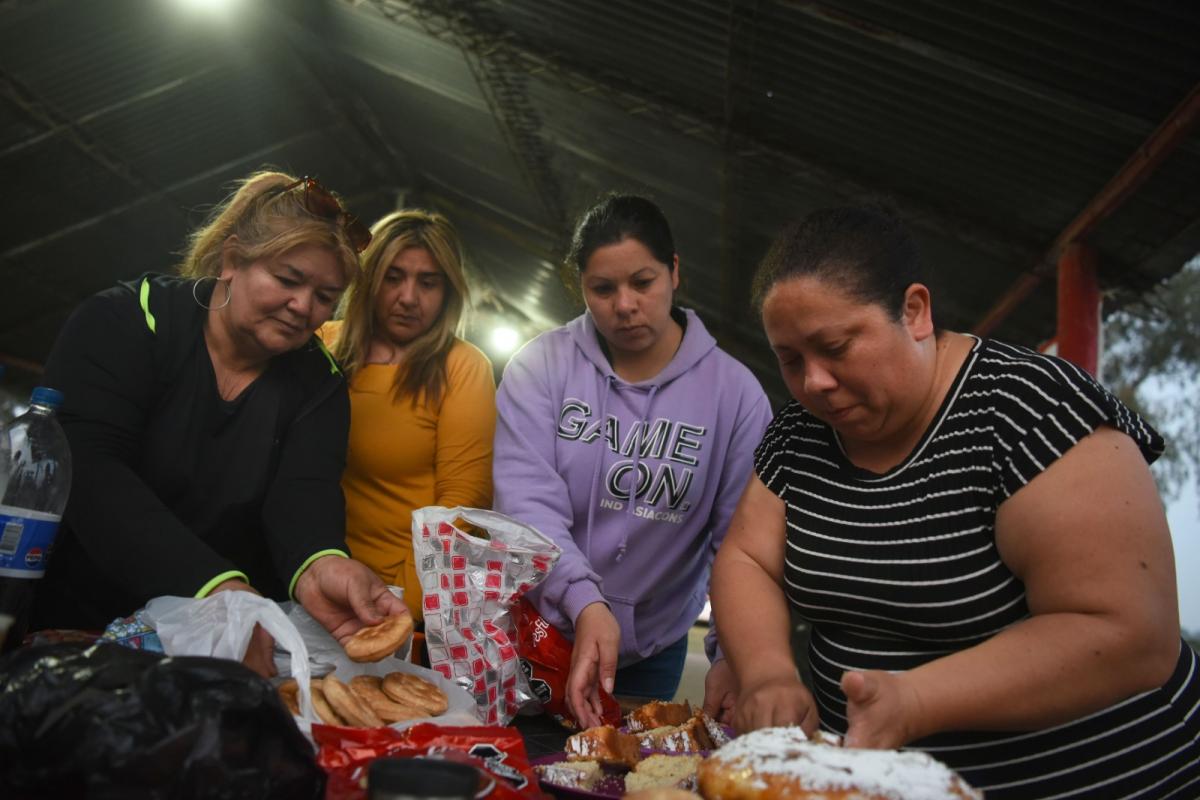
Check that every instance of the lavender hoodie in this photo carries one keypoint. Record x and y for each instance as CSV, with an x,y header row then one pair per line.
x,y
570,437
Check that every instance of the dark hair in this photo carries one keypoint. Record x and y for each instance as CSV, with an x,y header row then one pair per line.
x,y
614,219
867,251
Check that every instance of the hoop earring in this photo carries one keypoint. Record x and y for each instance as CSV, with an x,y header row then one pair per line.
x,y
199,302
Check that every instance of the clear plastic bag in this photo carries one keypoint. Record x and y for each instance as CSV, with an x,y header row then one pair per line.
x,y
221,625
470,585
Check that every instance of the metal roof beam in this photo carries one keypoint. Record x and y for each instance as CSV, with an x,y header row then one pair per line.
x,y
55,122
639,101
115,211
501,78
1140,166
864,27
304,25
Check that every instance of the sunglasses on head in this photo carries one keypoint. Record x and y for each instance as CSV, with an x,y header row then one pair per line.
x,y
320,202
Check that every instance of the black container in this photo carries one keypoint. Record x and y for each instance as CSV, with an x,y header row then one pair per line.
x,y
413,778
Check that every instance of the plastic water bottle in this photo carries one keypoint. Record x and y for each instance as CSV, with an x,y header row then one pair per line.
x,y
32,503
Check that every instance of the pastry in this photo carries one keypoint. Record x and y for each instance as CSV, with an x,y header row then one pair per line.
x,y
691,736
369,689
716,731
580,775
380,641
657,714
348,705
774,763
321,705
605,744
289,693
665,772
411,690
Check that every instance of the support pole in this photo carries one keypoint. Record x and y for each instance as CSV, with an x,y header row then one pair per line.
x,y
1079,307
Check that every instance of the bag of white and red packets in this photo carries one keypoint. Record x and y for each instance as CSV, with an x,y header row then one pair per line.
x,y
470,584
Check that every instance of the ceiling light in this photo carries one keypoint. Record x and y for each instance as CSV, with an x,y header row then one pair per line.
x,y
209,6
504,340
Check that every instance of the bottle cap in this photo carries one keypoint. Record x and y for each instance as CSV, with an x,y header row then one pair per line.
x,y
45,396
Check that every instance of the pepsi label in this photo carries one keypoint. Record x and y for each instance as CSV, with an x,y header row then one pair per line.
x,y
26,538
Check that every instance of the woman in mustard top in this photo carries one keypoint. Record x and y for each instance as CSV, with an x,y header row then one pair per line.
x,y
422,400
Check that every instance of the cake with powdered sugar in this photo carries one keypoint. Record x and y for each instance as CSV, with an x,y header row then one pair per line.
x,y
774,763
658,714
581,775
605,744
698,733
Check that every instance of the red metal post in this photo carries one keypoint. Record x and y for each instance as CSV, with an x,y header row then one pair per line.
x,y
1079,307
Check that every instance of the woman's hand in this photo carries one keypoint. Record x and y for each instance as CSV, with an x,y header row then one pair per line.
x,y
879,706
593,663
782,700
260,652
720,692
344,595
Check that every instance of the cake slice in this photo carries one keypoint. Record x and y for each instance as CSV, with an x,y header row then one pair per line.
x,y
657,714
691,736
571,774
662,771
605,744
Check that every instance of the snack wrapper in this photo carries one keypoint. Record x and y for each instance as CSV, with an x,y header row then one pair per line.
x,y
346,753
470,584
546,662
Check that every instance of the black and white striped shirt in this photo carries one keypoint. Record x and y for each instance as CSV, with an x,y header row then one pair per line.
x,y
897,569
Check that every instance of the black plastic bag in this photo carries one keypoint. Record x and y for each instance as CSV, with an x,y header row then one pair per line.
x,y
105,721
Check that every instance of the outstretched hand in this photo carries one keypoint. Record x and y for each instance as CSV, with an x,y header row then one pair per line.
x,y
780,700
720,692
593,663
344,595
879,709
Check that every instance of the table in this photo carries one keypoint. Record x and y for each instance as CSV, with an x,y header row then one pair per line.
x,y
543,736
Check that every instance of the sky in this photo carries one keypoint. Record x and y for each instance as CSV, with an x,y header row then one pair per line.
x,y
1183,515
1183,512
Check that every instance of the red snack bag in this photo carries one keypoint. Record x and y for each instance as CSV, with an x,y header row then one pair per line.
x,y
346,753
546,661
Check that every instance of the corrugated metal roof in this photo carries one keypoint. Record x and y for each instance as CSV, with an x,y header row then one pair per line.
x,y
990,124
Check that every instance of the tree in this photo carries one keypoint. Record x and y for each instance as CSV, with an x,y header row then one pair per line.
x,y
1152,362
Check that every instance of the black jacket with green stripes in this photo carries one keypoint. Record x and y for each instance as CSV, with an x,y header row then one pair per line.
x,y
172,485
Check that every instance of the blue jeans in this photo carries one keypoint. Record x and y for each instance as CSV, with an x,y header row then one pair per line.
x,y
656,677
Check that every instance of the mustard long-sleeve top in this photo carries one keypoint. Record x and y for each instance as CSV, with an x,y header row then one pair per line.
x,y
402,457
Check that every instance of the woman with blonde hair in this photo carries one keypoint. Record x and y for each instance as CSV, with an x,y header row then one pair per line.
x,y
208,425
422,400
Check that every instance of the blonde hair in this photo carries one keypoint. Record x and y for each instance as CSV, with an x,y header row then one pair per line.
x,y
267,221
423,371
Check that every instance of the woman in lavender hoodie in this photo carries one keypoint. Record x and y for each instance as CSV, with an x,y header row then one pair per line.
x,y
626,436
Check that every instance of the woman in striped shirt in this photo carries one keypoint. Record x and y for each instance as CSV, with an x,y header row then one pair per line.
x,y
972,531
